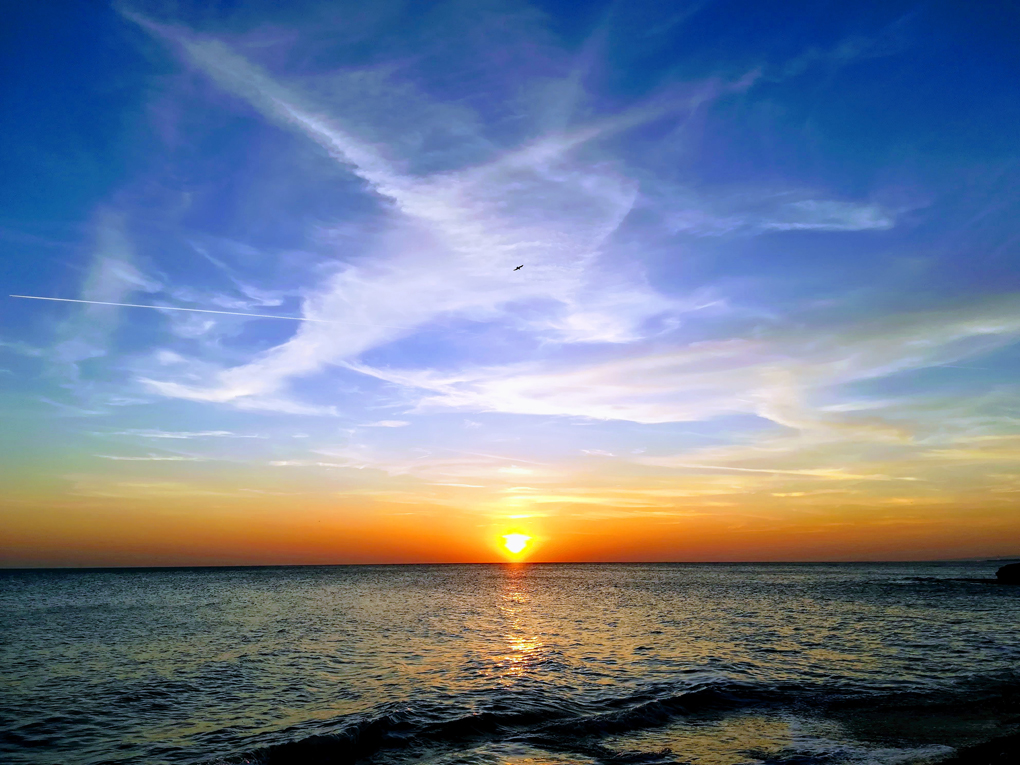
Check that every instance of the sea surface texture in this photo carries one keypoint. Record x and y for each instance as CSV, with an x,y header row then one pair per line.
x,y
523,665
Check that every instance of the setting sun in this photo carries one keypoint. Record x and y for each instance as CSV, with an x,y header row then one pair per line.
x,y
515,542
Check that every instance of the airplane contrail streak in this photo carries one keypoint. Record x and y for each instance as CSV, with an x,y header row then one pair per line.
x,y
172,308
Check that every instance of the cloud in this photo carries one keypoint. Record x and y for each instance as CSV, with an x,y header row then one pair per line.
x,y
425,465
112,276
22,349
450,237
751,212
980,448
774,377
281,405
72,410
454,237
387,424
104,488
181,434
828,215
312,463
150,458
832,474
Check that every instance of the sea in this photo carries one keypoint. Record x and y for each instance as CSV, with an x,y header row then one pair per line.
x,y
523,664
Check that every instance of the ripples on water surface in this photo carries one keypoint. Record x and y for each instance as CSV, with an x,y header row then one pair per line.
x,y
708,664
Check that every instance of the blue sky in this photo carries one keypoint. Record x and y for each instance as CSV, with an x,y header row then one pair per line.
x,y
770,262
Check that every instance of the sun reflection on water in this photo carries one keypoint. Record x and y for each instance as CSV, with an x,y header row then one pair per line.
x,y
523,646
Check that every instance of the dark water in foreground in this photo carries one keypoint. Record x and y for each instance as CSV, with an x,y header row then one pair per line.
x,y
708,664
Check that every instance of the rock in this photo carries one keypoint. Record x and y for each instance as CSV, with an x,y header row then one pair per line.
x,y
1000,750
1009,574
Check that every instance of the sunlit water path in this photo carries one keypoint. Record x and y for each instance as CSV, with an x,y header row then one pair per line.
x,y
708,664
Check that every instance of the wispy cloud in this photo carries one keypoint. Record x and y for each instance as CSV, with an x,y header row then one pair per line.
x,y
750,212
20,348
150,458
104,488
182,434
772,377
112,276
832,474
455,237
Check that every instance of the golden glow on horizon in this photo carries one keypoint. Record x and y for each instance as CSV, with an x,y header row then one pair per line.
x,y
515,543
139,513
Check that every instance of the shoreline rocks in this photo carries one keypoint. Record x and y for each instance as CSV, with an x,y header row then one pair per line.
x,y
1009,574
999,751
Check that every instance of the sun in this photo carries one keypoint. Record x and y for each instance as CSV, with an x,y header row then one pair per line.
x,y
515,543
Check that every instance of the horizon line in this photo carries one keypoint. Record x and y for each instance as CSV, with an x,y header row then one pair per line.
x,y
819,562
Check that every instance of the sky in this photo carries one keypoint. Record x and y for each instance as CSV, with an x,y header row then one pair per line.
x,y
769,306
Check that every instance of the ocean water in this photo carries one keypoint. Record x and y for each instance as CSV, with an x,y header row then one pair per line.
x,y
523,665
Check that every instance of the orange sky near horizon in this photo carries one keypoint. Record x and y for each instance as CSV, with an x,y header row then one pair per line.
x,y
241,530
58,509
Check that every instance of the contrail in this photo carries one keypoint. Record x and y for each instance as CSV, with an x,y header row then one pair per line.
x,y
173,308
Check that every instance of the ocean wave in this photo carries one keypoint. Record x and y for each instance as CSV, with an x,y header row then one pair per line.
x,y
579,729
548,725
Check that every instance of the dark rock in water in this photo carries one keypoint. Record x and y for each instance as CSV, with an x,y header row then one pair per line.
x,y
1000,751
1009,574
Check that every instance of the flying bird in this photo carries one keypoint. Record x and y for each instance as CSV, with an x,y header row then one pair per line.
x,y
519,267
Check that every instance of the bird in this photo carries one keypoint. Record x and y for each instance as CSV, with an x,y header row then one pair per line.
x,y
519,267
